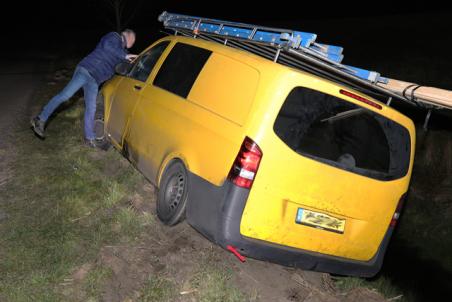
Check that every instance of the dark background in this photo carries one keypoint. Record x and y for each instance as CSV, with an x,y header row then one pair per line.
x,y
406,40
373,33
44,22
89,14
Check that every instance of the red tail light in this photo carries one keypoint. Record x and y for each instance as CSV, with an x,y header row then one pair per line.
x,y
246,163
397,212
360,98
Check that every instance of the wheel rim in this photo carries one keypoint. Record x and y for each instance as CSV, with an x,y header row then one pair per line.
x,y
99,129
174,192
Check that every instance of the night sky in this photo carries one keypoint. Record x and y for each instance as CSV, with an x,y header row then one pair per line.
x,y
94,14
373,33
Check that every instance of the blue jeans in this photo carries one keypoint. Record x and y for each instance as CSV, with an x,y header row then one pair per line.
x,y
81,78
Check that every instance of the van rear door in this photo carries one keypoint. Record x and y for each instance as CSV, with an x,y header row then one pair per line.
x,y
331,175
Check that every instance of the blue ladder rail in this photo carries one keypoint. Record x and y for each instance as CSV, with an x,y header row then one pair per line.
x,y
301,42
256,33
287,47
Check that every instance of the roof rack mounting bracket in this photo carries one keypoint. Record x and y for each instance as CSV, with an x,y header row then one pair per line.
x,y
427,119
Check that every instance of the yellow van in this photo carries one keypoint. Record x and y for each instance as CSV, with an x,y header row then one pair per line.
x,y
279,164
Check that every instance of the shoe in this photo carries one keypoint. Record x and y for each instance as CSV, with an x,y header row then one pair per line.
x,y
90,143
38,126
103,144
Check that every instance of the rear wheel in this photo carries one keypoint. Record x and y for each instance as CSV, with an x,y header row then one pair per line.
x,y
173,192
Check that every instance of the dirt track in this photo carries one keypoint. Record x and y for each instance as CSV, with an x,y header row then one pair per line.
x,y
20,76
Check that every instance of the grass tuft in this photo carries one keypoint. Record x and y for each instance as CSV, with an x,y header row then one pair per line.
x,y
132,223
157,289
213,283
94,282
381,284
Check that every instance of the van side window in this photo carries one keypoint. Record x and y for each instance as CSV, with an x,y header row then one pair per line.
x,y
147,61
339,133
181,68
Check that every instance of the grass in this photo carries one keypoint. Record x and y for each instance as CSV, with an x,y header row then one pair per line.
x,y
131,223
426,219
419,262
381,284
212,282
63,204
94,281
157,289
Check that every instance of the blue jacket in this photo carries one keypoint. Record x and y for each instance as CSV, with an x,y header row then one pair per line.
x,y
109,52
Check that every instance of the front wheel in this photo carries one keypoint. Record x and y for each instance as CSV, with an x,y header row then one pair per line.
x,y
99,131
172,195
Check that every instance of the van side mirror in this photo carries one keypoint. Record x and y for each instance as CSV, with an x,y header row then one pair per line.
x,y
123,68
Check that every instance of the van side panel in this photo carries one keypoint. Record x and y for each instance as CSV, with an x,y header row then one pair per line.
x,y
205,129
167,124
226,87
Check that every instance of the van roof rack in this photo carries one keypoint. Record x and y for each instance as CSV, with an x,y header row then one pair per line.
x,y
301,51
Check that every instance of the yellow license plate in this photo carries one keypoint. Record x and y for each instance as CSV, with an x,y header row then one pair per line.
x,y
320,221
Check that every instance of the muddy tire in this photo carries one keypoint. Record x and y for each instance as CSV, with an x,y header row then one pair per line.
x,y
101,139
172,194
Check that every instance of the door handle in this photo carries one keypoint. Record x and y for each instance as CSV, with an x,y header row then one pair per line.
x,y
137,87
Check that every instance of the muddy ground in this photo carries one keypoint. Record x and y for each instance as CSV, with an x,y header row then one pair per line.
x,y
177,254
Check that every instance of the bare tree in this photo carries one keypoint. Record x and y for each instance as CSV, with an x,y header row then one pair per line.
x,y
121,12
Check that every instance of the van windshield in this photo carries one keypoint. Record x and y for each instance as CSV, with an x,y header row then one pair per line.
x,y
339,133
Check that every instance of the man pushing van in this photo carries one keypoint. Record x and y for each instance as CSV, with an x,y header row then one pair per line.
x,y
92,71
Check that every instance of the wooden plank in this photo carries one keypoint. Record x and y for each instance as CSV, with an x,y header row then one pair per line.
x,y
430,95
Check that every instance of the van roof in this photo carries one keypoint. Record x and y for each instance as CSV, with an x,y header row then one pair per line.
x,y
299,62
256,60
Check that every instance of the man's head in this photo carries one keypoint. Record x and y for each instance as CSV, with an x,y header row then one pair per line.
x,y
129,37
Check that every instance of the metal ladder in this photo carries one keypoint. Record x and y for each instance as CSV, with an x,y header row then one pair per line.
x,y
288,47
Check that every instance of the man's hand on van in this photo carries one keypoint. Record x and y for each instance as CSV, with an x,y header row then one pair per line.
x,y
131,57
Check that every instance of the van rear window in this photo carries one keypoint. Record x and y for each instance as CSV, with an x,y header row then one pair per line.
x,y
181,68
341,134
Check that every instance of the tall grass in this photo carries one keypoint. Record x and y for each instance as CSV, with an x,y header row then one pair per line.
x,y
62,206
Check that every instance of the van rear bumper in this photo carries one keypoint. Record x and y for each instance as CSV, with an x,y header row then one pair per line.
x,y
216,213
